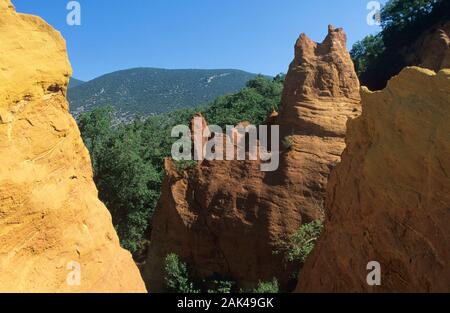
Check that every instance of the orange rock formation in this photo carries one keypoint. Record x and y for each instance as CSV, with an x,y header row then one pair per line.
x,y
226,218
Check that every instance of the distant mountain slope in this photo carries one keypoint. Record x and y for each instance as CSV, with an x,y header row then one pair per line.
x,y
153,91
75,82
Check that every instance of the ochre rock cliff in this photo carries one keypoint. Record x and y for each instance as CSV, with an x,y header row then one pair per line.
x,y
50,215
389,199
226,218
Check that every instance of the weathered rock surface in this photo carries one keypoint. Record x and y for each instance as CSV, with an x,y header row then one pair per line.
x,y
389,199
226,218
432,49
49,211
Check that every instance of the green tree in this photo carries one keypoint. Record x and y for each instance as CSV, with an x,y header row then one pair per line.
x,y
366,51
96,129
253,103
399,14
128,186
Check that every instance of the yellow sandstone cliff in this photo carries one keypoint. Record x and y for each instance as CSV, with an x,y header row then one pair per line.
x,y
50,215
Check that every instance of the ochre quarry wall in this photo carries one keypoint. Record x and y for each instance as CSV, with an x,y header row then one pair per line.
x,y
389,199
50,215
226,218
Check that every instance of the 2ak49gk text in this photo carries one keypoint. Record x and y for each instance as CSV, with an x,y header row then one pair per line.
x,y
226,303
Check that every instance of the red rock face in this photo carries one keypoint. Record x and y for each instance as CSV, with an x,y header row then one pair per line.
x,y
389,199
226,218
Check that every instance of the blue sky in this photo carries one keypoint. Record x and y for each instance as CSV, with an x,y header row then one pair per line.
x,y
253,35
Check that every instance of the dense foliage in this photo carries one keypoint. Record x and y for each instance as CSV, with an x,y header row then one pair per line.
x,y
128,183
128,158
379,57
366,52
252,104
403,20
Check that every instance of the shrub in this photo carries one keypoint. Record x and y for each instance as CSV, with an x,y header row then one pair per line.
x,y
222,286
303,241
268,287
177,277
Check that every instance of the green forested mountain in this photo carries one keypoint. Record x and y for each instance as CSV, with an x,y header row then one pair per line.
x,y
149,91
